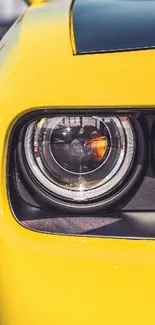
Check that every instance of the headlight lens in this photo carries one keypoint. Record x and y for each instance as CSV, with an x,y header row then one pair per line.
x,y
79,158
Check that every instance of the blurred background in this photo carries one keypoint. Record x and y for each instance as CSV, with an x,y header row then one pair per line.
x,y
10,10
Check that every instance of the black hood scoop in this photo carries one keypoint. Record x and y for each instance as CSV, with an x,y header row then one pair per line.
x,y
113,25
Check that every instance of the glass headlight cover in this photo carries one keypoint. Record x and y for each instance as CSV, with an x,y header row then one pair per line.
x,y
80,158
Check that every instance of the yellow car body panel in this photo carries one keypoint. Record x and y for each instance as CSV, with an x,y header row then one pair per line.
x,y
62,280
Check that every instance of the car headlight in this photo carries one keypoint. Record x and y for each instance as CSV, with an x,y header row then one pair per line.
x,y
78,159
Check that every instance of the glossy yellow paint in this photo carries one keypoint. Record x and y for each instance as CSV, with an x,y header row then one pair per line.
x,y
60,280
36,1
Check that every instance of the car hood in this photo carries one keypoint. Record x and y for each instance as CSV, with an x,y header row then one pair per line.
x,y
38,68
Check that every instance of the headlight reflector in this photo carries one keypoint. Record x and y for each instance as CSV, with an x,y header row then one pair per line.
x,y
79,158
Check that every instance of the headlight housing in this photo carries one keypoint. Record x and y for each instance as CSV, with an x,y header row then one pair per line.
x,y
79,162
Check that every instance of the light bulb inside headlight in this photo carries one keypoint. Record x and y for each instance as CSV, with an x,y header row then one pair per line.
x,y
79,158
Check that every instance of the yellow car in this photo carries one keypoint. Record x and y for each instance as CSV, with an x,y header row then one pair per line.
x,y
77,164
